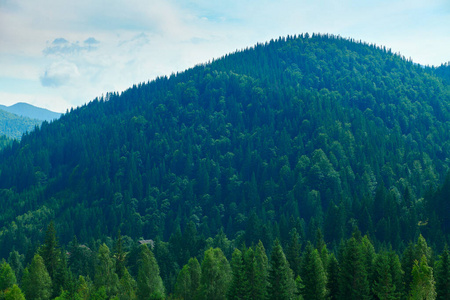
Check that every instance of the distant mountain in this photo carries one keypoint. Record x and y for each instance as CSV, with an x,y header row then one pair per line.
x,y
14,126
30,111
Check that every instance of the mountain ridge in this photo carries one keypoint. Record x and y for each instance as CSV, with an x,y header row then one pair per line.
x,y
31,111
317,129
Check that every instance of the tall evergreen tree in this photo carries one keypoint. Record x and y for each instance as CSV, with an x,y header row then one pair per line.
x,y
50,251
105,272
36,282
149,282
281,278
333,277
442,271
384,287
216,275
423,284
353,277
14,293
7,277
237,288
313,275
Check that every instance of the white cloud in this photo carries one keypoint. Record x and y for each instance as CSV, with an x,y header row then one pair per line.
x,y
77,50
59,73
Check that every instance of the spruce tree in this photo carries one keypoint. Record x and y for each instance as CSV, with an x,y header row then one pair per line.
x,y
50,251
14,293
36,282
313,275
149,282
239,276
281,278
353,277
7,277
423,284
105,272
216,275
333,277
383,287
442,272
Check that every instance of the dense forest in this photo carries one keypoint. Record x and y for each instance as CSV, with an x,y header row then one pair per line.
x,y
308,138
14,126
356,271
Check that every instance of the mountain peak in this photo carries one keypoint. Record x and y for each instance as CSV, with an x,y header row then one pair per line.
x,y
31,111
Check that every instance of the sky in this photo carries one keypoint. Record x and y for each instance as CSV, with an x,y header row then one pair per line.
x,y
59,54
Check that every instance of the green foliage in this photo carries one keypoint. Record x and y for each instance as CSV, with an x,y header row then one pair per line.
x,y
149,282
313,275
442,276
281,278
36,282
105,272
7,277
423,284
14,293
353,275
308,127
216,275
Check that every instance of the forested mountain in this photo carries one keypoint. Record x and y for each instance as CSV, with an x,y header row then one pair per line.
x,y
306,132
14,126
31,111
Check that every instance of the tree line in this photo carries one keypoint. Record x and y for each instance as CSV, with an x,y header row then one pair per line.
x,y
296,270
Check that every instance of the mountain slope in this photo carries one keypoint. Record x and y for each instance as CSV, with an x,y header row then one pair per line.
x,y
30,111
319,131
14,126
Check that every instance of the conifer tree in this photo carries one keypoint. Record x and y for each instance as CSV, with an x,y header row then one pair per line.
x,y
7,277
14,293
105,272
423,284
216,275
384,287
127,286
149,282
36,282
259,286
442,272
239,276
313,275
281,278
50,251
183,284
119,256
332,277
293,252
353,277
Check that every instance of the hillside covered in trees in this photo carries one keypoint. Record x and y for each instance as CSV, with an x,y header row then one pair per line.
x,y
309,133
13,126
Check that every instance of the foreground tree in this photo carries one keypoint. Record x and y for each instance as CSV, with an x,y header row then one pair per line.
x,y
443,276
14,293
281,278
216,275
313,275
422,286
36,281
149,282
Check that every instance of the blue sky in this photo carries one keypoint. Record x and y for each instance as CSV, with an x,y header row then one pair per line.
x,y
59,54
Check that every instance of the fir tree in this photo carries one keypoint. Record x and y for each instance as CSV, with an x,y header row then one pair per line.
x,y
216,275
442,272
105,272
36,282
313,275
281,278
423,284
149,282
